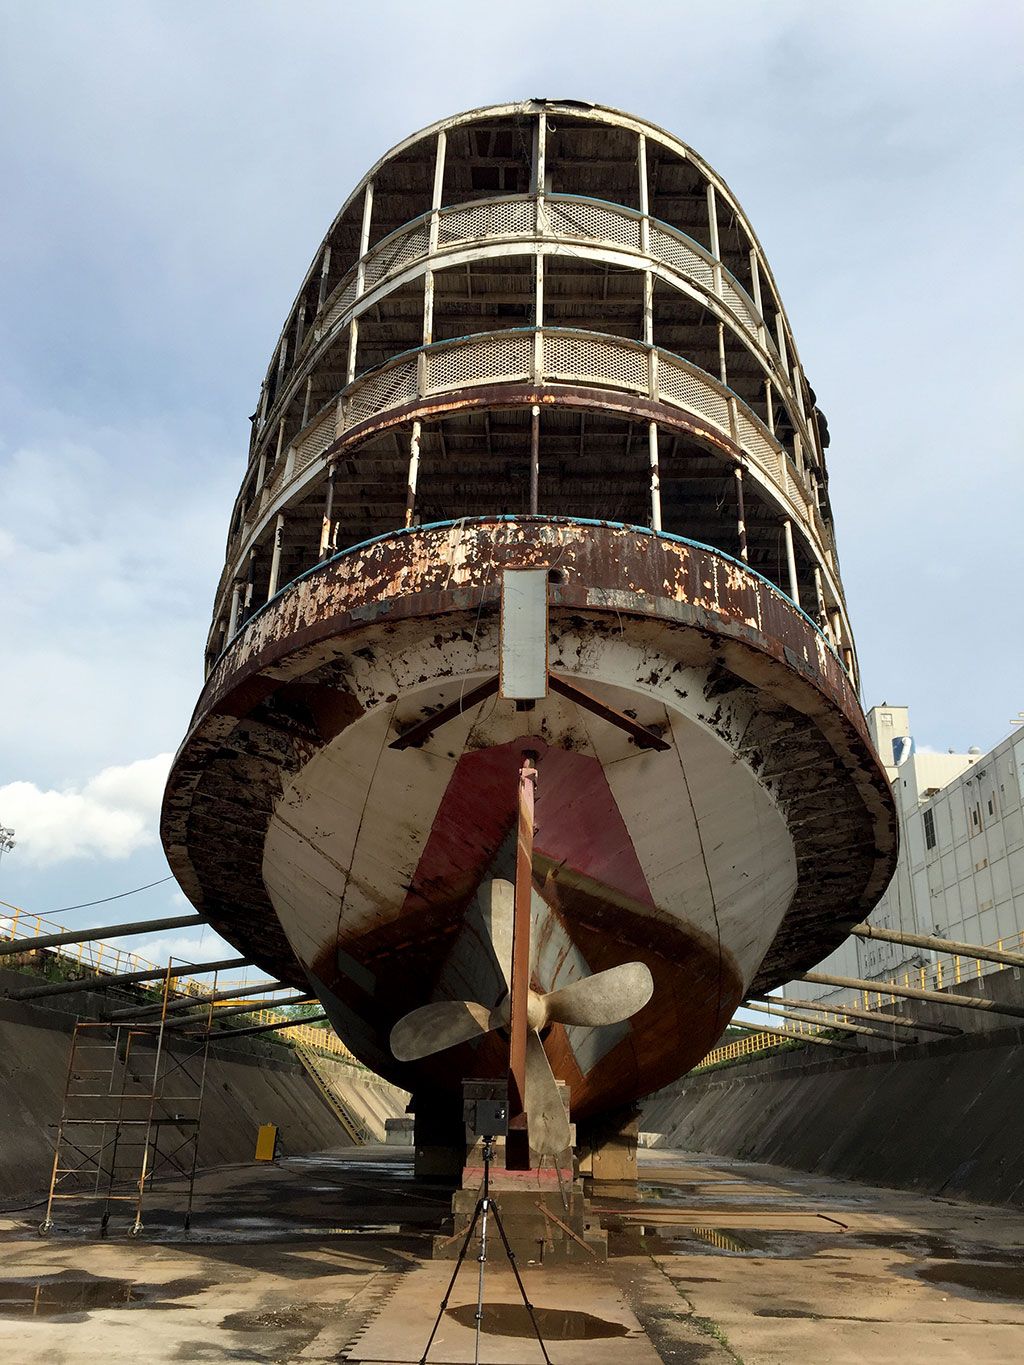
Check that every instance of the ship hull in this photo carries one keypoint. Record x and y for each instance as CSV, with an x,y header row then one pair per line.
x,y
734,857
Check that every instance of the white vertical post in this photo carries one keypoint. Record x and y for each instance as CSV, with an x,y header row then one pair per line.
x,y
414,471
428,279
794,586
306,401
741,515
436,197
534,460
428,330
540,184
540,168
723,372
819,593
353,347
364,236
645,202
769,403
755,281
538,316
275,561
325,270
328,520
780,332
250,579
715,245
652,455
236,600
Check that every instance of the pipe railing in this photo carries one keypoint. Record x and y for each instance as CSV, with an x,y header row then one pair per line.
x,y
955,964
32,932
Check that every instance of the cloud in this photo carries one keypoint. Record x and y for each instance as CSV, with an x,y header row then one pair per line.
x,y
111,816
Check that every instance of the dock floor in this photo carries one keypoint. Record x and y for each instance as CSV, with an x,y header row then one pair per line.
x,y
326,1258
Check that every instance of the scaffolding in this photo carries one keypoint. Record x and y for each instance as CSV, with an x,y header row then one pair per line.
x,y
131,1111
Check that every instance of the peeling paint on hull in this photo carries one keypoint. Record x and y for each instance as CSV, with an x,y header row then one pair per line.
x,y
737,858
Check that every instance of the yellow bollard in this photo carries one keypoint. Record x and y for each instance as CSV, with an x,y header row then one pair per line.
x,y
266,1142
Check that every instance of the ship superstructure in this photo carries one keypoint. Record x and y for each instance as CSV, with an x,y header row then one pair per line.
x,y
539,337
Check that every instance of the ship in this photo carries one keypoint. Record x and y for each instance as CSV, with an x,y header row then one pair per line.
x,y
534,527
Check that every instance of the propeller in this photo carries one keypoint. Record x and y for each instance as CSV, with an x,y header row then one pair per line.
x,y
607,997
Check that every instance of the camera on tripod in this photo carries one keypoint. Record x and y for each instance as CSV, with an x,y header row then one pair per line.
x,y
485,1107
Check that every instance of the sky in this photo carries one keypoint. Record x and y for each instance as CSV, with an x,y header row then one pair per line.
x,y
168,170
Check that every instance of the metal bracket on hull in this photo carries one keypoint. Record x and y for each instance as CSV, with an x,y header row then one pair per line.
x,y
558,682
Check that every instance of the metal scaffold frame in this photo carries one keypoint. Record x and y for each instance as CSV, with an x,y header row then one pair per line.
x,y
123,1091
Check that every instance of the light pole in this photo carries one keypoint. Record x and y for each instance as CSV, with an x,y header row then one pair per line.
x,y
6,840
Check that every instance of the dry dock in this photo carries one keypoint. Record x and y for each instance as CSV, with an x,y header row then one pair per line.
x,y
327,1258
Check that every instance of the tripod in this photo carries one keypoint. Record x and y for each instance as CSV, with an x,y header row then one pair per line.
x,y
484,1207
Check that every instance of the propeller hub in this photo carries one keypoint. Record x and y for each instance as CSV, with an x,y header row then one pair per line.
x,y
536,1011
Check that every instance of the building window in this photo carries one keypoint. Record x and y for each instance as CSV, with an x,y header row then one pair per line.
x,y
929,829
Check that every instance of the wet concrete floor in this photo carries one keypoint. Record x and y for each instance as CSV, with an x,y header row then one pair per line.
x,y
327,1258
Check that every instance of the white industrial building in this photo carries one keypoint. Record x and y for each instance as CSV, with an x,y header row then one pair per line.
x,y
961,866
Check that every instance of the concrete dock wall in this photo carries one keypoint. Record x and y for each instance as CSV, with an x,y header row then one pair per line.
x,y
941,1118
249,1081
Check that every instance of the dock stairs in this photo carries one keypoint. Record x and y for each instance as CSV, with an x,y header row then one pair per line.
x,y
361,1101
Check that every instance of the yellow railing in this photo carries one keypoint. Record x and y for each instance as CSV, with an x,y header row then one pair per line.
x,y
742,1047
305,1035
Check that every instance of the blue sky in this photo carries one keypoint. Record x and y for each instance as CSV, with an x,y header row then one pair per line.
x,y
168,171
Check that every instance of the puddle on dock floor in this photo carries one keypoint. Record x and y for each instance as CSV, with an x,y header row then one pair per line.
x,y
924,1246
979,1279
70,1295
554,1324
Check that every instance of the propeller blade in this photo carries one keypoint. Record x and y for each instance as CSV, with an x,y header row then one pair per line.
x,y
607,997
545,1113
497,902
432,1028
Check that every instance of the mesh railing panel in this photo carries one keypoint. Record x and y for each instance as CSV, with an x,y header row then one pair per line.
x,y
758,444
743,306
592,360
392,255
595,222
315,441
485,360
677,253
688,389
389,389
494,218
339,306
